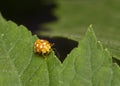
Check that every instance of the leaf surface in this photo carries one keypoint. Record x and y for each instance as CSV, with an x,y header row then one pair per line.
x,y
87,65
19,65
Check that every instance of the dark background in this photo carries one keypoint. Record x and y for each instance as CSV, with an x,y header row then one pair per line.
x,y
33,14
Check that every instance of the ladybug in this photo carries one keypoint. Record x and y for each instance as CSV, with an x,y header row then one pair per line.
x,y
42,46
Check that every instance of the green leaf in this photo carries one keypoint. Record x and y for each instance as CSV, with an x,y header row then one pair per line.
x,y
90,62
87,65
116,74
19,65
74,16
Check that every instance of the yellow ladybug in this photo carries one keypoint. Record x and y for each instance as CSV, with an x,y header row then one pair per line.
x,y
42,46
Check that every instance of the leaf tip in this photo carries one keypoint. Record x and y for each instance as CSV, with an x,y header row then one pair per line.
x,y
107,52
99,42
106,49
90,33
90,28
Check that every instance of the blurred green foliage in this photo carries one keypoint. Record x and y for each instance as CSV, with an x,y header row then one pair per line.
x,y
74,16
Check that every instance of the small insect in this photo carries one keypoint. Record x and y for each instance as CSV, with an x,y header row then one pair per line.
x,y
42,46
